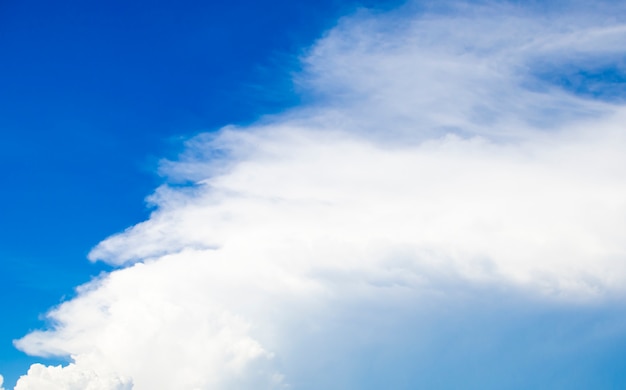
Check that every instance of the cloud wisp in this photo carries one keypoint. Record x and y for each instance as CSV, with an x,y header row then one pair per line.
x,y
443,191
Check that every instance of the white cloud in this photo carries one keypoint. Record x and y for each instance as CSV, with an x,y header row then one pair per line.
x,y
432,169
1,382
71,377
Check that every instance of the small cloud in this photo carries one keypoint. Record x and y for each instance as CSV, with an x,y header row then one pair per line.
x,y
71,377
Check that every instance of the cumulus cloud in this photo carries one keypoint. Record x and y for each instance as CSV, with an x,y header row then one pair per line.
x,y
71,377
443,171
1,382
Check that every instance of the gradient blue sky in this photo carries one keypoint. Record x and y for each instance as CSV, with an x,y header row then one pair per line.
x,y
94,94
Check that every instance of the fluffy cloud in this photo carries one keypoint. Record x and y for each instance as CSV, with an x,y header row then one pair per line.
x,y
71,377
444,171
1,382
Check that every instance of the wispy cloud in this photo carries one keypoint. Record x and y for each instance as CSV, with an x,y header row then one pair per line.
x,y
442,190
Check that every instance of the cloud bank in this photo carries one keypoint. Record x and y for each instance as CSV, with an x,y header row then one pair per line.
x,y
455,182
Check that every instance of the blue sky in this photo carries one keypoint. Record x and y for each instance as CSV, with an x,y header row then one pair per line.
x,y
455,163
93,94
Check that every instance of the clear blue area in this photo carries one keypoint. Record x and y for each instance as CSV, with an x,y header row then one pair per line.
x,y
603,79
92,94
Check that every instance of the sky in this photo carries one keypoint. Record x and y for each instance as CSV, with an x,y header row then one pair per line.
x,y
305,195
93,95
